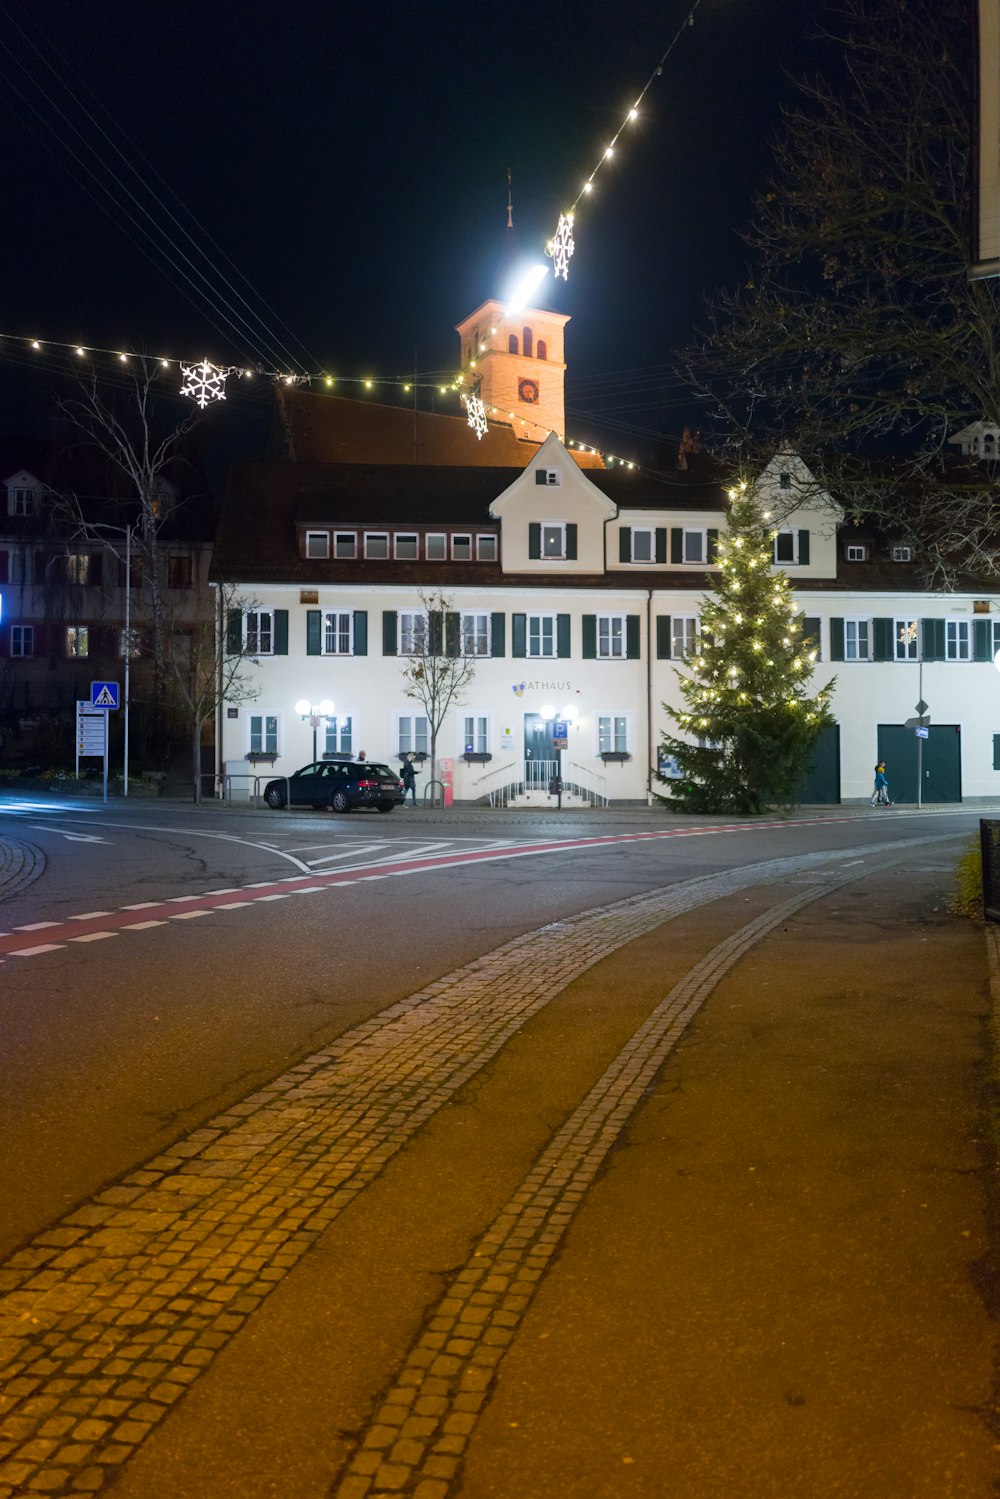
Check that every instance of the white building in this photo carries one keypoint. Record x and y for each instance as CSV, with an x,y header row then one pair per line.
x,y
574,587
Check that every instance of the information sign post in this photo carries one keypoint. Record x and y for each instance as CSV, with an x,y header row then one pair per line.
x,y
92,737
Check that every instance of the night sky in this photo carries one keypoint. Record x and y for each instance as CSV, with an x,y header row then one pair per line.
x,y
351,162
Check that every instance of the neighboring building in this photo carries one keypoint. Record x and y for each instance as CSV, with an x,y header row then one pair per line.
x,y
63,591
581,589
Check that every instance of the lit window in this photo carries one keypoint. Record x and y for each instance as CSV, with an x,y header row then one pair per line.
x,y
345,545
612,733
610,635
338,633
258,632
262,733
376,544
77,640
436,547
317,543
906,634
78,567
475,634
541,634
683,636
339,736
405,546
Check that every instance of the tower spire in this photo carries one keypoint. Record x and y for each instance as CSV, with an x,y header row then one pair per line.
x,y
510,201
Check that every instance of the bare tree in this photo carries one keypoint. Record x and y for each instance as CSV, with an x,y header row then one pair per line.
x,y
205,673
435,672
858,332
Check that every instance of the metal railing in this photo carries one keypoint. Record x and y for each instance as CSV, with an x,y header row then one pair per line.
x,y
502,784
583,783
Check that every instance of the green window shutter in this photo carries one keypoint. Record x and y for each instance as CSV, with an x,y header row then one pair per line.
x,y
883,646
676,544
452,634
562,635
519,634
497,631
571,542
281,632
661,543
390,633
996,751
624,543
663,637
314,632
836,640
435,633
803,548
361,632
812,635
712,547
932,636
534,540
982,640
589,623
633,633
234,631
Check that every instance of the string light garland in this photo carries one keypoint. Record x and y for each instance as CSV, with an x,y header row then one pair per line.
x,y
561,246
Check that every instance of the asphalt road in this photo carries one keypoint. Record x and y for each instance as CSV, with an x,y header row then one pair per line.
x,y
162,969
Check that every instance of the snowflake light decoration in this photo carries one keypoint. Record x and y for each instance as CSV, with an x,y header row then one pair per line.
x,y
477,413
204,382
561,247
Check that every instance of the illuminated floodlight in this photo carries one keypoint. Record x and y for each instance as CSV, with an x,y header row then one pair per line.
x,y
531,279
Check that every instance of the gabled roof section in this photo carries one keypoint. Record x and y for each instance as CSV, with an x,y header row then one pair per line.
x,y
787,485
553,455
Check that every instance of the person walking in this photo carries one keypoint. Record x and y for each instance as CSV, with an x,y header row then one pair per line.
x,y
880,795
408,776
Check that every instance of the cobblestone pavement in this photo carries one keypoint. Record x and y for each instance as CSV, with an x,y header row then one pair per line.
x,y
108,1317
20,863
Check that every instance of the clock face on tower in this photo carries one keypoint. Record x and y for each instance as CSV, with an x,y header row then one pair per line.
x,y
527,390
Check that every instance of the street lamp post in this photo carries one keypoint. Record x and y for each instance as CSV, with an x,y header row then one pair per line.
x,y
560,735
316,713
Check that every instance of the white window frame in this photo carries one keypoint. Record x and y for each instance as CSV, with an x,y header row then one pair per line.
x,y
552,478
268,734
23,501
552,526
407,642
608,727
685,633
340,734
252,639
484,542
538,618
902,554
462,538
405,537
337,632
777,536
77,639
436,546
342,540
481,633
958,639
905,639
481,736
22,640
702,535
995,638
650,533
862,633
611,646
855,552
323,537
412,734
382,536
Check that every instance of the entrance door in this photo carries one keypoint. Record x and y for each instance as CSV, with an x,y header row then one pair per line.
x,y
942,762
821,786
537,738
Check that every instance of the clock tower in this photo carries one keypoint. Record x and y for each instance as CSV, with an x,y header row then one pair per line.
x,y
518,358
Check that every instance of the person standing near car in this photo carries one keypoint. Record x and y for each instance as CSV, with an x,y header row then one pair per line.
x,y
408,776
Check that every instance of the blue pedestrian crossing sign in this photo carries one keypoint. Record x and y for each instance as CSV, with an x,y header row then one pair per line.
x,y
104,694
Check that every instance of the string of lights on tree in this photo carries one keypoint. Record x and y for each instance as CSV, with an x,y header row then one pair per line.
x,y
204,383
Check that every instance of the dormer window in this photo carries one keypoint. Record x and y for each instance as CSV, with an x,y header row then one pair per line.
x,y
317,544
23,501
902,554
547,476
345,545
376,544
857,553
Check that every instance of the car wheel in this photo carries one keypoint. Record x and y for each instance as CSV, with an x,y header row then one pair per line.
x,y
275,797
385,806
340,802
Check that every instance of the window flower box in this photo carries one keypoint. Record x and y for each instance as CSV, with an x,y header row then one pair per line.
x,y
476,759
258,757
615,757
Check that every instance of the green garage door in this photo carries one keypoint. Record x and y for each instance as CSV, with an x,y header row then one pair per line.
x,y
941,767
821,786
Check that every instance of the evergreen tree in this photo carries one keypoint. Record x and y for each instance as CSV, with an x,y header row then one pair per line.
x,y
745,696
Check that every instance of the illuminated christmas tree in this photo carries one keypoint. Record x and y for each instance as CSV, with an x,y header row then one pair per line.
x,y
749,726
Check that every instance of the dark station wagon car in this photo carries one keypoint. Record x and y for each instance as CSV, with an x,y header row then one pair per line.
x,y
340,784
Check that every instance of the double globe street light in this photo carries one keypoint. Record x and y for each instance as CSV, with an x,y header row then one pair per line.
x,y
316,713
